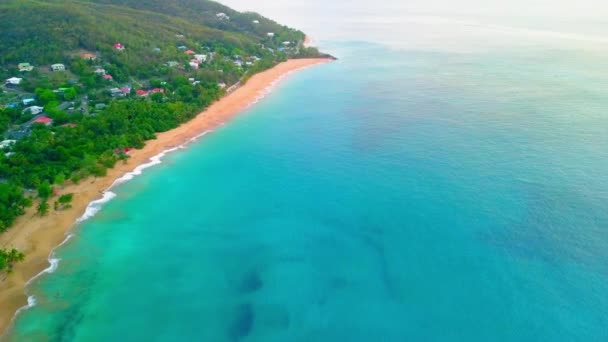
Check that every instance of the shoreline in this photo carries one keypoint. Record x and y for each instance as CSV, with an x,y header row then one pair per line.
x,y
37,236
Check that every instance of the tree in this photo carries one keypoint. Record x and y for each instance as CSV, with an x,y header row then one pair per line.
x,y
64,202
59,179
45,190
43,208
45,95
9,258
69,94
66,199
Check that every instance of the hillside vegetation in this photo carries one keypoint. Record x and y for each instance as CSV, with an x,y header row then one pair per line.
x,y
101,77
45,32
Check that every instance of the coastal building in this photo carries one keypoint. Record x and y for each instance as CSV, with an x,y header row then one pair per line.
x,y
119,46
44,120
201,58
24,67
222,16
115,92
33,110
13,81
126,150
57,67
28,101
7,143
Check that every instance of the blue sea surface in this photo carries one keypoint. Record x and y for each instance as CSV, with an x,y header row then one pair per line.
x,y
397,194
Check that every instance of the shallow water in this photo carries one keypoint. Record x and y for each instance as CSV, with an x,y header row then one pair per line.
x,y
397,194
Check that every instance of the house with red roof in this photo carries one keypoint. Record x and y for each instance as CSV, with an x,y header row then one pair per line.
x,y
142,93
108,77
119,46
126,150
44,120
157,90
189,52
125,90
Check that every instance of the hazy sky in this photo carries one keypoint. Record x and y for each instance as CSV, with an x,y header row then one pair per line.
x,y
541,8
425,23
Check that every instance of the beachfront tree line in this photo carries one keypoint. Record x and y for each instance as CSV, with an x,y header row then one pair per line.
x,y
9,257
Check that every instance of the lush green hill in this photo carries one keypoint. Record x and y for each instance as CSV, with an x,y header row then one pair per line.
x,y
45,32
205,12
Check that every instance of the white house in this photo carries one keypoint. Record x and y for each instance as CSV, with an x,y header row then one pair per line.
x,y
222,16
7,143
194,65
116,92
58,67
34,110
221,85
13,81
100,71
256,21
201,58
28,101
270,34
286,43
24,67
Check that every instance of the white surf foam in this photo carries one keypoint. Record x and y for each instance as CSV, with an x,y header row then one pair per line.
x,y
95,206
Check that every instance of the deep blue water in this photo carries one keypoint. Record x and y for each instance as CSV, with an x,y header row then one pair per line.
x,y
397,194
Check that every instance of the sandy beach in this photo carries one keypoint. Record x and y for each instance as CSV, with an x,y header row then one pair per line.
x,y
37,236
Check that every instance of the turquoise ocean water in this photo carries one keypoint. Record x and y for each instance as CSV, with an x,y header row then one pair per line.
x,y
442,192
